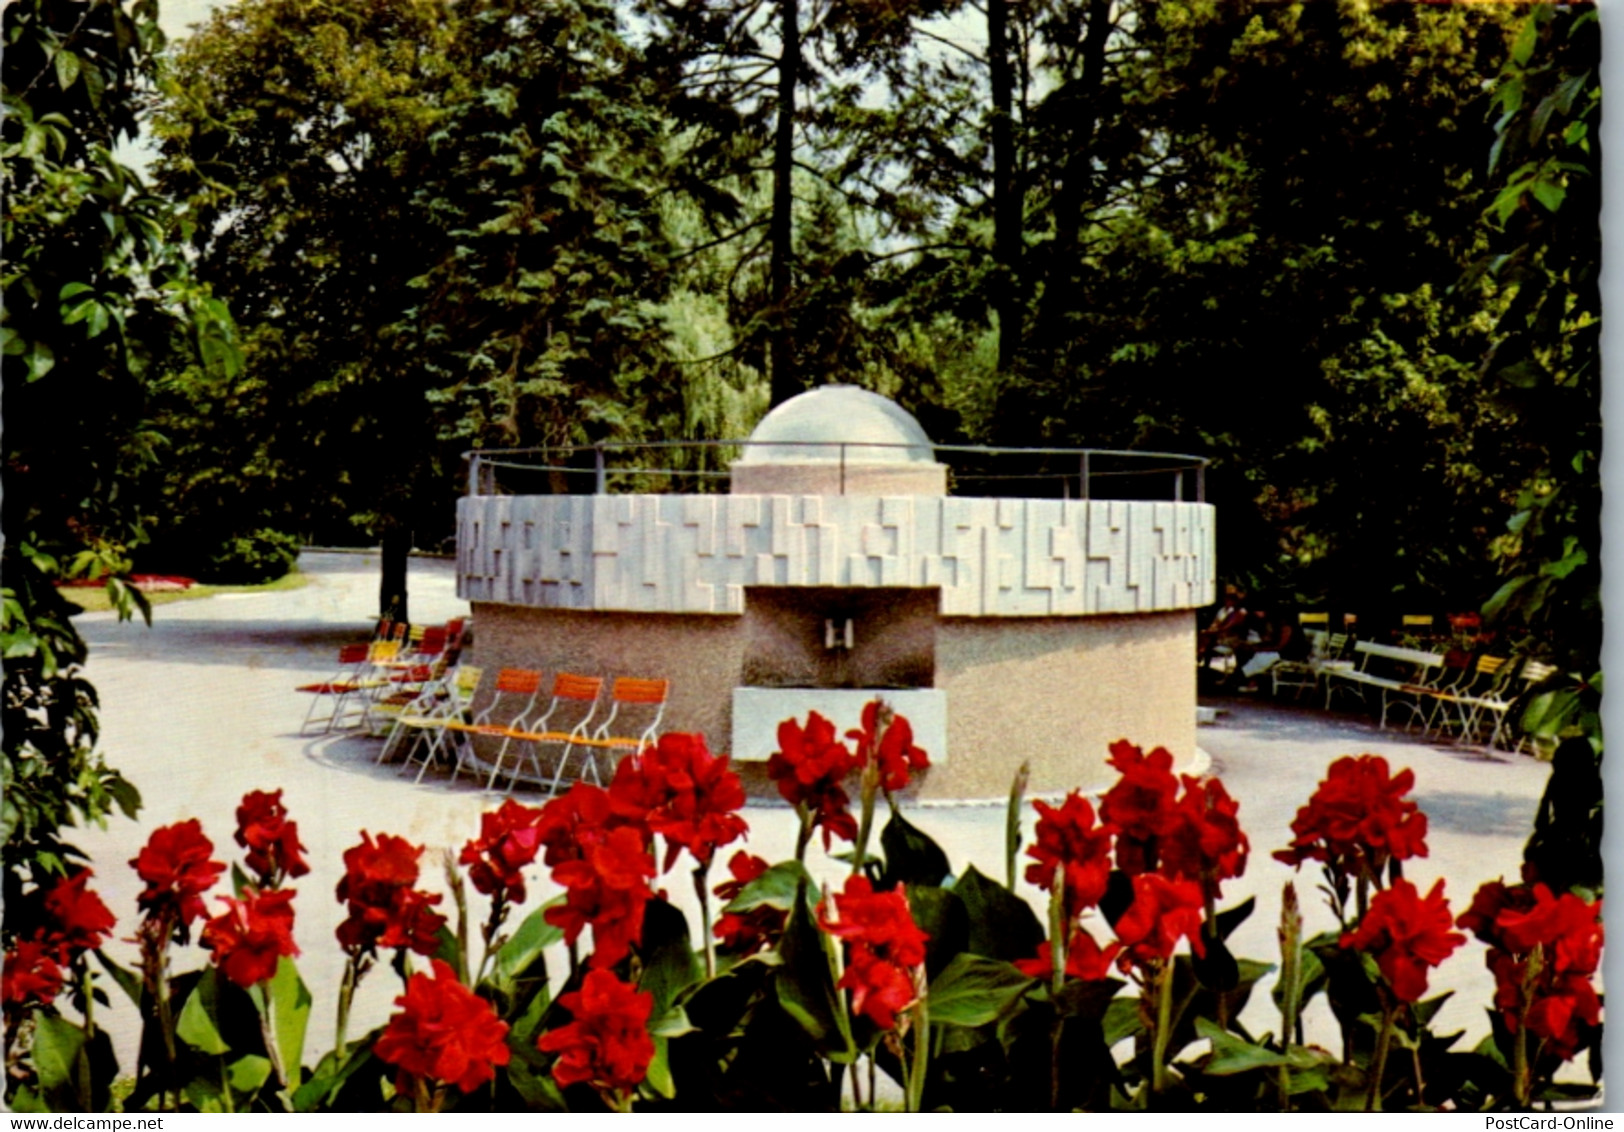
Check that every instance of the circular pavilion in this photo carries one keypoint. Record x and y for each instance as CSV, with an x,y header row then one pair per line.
x,y
839,567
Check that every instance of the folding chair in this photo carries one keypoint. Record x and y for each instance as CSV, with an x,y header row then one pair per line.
x,y
357,680
498,719
410,685
430,727
1480,678
372,682
572,694
342,684
1416,627
1298,674
627,695
1499,703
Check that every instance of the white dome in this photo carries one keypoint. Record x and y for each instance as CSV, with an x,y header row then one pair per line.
x,y
810,427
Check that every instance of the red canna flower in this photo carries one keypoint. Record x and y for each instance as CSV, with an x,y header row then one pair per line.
x,y
1556,1012
1205,844
274,851
509,839
1071,846
443,1033
1559,999
176,867
80,921
412,924
1491,899
575,820
745,867
251,935
809,768
607,1045
1084,959
880,988
887,947
384,909
1407,933
31,974
608,888
1358,819
881,920
744,933
1568,928
1141,807
1163,911
893,751
682,792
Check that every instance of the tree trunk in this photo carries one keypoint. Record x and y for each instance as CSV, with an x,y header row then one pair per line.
x,y
1079,106
1008,209
397,545
786,381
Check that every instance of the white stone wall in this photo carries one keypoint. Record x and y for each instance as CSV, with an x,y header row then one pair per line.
x,y
696,553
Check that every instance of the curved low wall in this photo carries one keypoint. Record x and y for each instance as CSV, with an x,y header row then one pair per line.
x,y
697,553
1052,627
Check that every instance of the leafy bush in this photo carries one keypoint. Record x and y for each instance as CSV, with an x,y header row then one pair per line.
x,y
253,559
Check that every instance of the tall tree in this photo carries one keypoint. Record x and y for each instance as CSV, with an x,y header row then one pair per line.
x,y
537,314
763,95
298,136
94,287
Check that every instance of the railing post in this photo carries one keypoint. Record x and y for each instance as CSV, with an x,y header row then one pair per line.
x,y
601,487
1178,486
473,474
1083,477
1201,482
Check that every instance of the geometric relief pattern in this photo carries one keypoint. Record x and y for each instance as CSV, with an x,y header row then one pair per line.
x,y
697,553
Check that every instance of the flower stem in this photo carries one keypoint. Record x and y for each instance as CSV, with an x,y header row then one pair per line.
x,y
805,835
1012,822
460,896
1291,957
921,1054
260,992
488,933
346,993
1057,983
701,883
86,989
1373,1099
1522,1077
1164,1027
865,825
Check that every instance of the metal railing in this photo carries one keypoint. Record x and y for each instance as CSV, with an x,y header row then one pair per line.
x,y
701,467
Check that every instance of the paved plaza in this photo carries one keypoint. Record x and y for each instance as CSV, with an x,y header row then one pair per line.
x,y
201,708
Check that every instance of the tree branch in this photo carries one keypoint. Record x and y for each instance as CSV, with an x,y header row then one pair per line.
x,y
722,239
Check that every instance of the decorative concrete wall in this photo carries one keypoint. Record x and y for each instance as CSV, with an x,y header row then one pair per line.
x,y
1057,692
1052,691
701,656
697,553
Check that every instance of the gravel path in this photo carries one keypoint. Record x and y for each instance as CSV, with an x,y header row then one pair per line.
x,y
200,709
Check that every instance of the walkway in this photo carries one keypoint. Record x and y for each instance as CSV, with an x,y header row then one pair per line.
x,y
200,709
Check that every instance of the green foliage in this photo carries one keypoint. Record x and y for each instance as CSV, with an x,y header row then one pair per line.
x,y
94,289
252,559
535,310
296,136
1544,257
